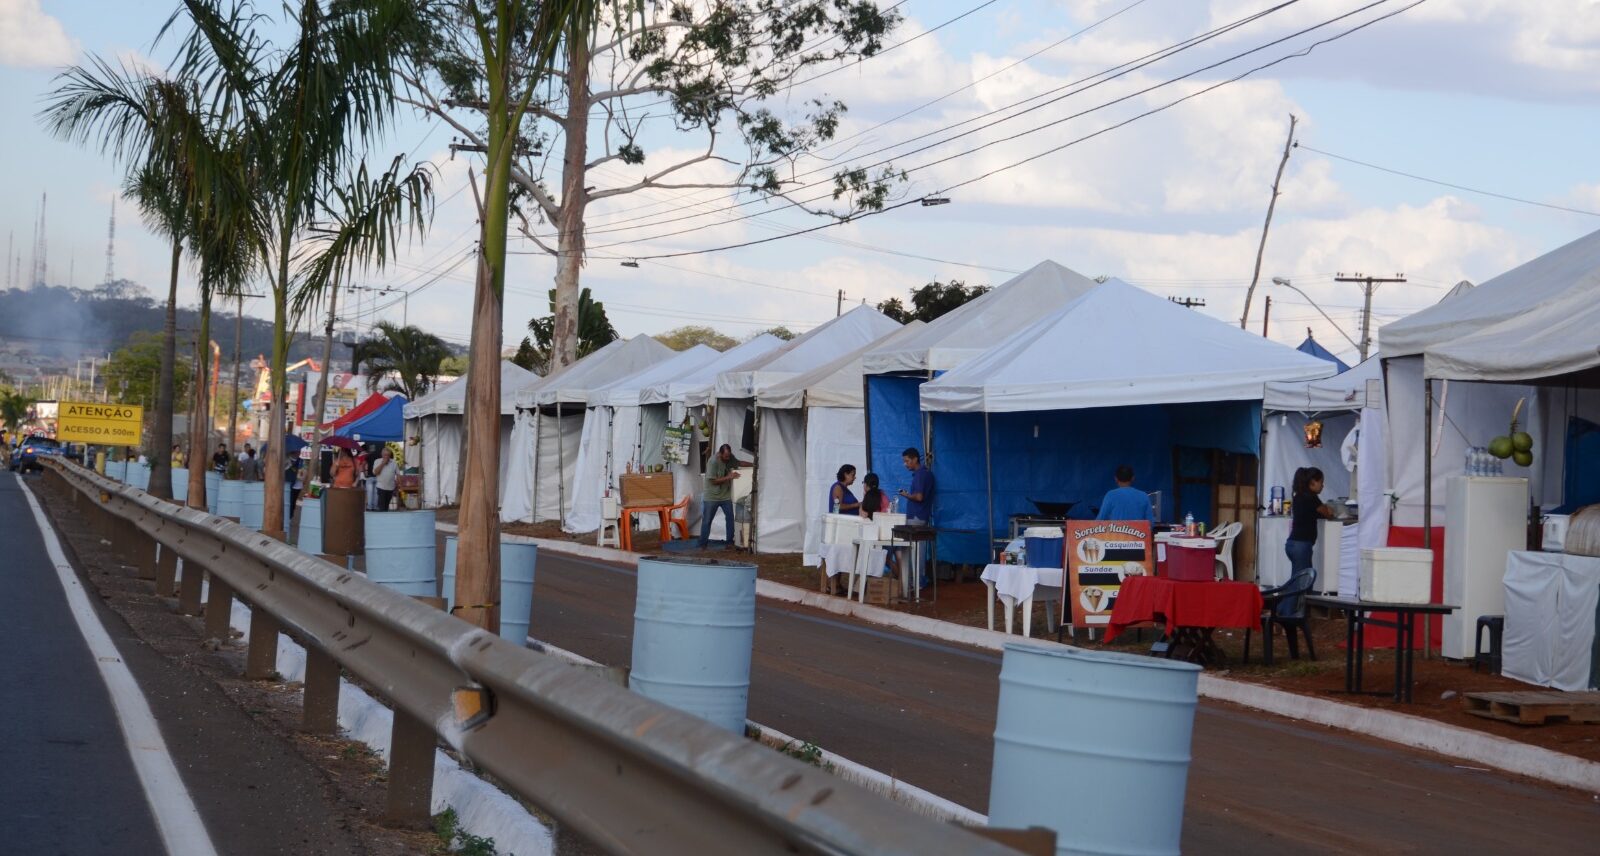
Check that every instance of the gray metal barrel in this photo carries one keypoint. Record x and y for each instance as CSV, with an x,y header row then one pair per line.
x,y
230,498
1095,745
117,470
400,551
139,475
693,624
180,484
309,538
517,564
213,490
251,513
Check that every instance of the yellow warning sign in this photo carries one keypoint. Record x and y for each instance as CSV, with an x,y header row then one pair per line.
x,y
102,424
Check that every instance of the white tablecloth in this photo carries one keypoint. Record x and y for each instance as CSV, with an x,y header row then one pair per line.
x,y
1019,581
1551,599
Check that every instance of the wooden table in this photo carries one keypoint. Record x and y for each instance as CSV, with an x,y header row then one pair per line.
x,y
1358,614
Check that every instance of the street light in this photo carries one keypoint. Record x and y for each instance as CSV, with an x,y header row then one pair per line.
x,y
1278,280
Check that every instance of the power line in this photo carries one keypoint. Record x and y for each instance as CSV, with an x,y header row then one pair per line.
x,y
1448,184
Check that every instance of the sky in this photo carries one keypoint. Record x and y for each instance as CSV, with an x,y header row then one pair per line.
x,y
1489,95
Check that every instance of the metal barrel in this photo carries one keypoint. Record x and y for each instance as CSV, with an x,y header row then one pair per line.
x,y
251,512
230,498
180,485
213,490
693,625
517,564
1095,745
139,475
117,470
342,518
309,538
400,551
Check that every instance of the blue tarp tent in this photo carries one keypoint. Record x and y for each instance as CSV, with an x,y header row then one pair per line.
x,y
1118,376
384,425
1314,348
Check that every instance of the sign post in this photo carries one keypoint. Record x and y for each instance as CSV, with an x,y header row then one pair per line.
x,y
1100,554
100,424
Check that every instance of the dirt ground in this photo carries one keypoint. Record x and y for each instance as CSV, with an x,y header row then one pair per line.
x,y
1440,684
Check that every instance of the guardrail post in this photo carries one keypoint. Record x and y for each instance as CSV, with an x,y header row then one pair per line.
x,y
261,660
321,712
139,549
189,586
411,751
166,571
219,609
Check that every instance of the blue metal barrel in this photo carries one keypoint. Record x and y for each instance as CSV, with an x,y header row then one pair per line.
x,y
1095,745
517,563
309,539
400,551
213,490
139,475
250,505
693,625
117,470
230,498
180,485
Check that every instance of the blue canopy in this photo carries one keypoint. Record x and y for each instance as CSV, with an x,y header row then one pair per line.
x,y
384,425
1312,347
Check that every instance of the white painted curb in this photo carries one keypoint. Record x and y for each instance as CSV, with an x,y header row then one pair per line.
x,y
1415,732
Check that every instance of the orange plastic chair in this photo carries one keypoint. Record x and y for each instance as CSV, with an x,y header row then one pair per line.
x,y
676,517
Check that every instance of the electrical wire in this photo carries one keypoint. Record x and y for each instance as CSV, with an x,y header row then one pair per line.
x,y
1451,185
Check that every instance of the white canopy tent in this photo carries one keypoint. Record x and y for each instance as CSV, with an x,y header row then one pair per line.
x,y
619,432
438,422
1162,356
823,407
549,428
974,327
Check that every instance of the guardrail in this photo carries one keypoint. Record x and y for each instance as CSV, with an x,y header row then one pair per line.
x,y
627,773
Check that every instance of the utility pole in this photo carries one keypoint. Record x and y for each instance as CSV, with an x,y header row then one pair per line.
x,y
1188,302
1271,204
111,244
1266,316
1368,284
838,306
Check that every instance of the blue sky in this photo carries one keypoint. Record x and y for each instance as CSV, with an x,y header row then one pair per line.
x,y
1494,94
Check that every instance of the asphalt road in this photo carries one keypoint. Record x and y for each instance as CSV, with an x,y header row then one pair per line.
x,y
67,784
923,710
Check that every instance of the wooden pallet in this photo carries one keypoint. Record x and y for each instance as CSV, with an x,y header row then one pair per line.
x,y
1534,708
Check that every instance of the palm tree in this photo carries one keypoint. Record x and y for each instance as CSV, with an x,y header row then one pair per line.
x,y
14,407
308,107
594,331
409,353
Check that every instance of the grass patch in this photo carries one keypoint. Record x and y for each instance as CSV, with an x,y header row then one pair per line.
x,y
454,839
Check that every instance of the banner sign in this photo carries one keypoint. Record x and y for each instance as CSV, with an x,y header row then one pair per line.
x,y
1100,554
675,446
340,402
101,424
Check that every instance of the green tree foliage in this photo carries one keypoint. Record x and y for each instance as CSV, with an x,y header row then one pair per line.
x,y
410,353
685,337
783,333
454,365
133,373
932,300
14,409
594,332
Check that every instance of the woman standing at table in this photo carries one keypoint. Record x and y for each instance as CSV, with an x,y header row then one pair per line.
x,y
1306,509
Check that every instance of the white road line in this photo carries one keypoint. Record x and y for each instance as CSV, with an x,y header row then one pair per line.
x,y
181,828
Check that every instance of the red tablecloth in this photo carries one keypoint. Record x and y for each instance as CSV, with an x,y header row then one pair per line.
x,y
1184,604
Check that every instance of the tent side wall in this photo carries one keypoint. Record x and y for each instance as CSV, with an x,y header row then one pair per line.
x,y
557,456
894,412
835,436
1283,450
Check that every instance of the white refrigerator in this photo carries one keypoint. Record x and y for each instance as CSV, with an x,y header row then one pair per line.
x,y
1485,520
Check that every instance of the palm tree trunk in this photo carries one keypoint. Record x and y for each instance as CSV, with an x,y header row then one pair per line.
x,y
574,201
200,418
161,433
272,522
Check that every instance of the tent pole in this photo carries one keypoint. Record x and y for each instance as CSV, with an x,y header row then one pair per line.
x,y
1427,463
533,506
755,483
866,415
561,467
988,474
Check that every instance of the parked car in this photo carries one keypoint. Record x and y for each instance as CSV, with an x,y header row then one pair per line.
x,y
30,450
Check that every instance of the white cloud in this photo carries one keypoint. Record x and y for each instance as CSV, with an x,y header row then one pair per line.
x,y
29,38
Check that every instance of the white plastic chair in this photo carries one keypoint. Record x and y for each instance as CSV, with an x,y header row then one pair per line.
x,y
1225,538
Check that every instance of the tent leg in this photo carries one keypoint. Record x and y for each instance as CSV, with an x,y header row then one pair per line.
x,y
866,415
533,504
561,467
1427,492
988,475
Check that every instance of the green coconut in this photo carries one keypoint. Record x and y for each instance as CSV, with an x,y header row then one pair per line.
x,y
1501,447
1523,458
1522,441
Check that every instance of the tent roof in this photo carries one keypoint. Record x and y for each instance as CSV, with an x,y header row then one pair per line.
x,y
1554,343
1314,348
974,327
627,391
696,386
612,362
1570,270
383,425
818,346
1116,346
834,384
1343,391
451,398
367,405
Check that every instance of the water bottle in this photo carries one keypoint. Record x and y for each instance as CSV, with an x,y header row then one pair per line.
x,y
833,506
1188,524
1467,462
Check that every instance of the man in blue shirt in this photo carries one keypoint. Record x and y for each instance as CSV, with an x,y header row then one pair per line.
x,y
919,498
1125,502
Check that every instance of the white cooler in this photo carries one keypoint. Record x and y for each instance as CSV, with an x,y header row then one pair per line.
x,y
1396,574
